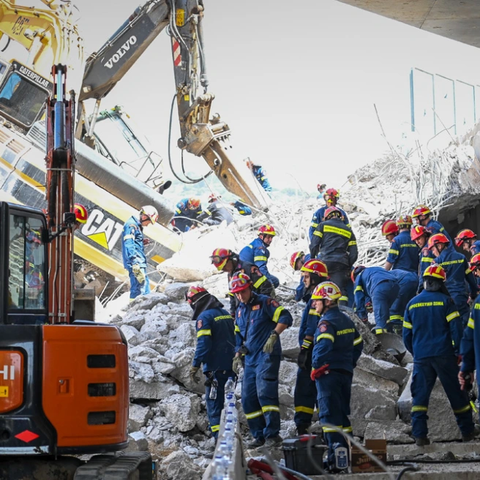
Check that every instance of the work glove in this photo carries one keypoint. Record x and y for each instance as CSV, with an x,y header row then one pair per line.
x,y
318,372
304,354
270,343
237,364
193,374
138,272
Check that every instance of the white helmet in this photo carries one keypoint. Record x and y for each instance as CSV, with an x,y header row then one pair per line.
x,y
149,211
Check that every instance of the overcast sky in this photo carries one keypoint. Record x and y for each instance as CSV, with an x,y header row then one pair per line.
x,y
295,81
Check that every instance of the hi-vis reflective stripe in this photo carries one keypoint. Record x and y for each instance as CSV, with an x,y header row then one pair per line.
x,y
256,414
318,234
343,298
413,245
200,333
351,243
407,325
463,410
277,313
452,262
271,408
471,323
359,289
215,428
259,258
259,281
358,340
427,259
126,237
395,317
347,429
237,329
314,225
393,251
178,211
477,306
419,408
338,231
426,304
304,409
326,335
331,430
452,316
467,271
312,311
223,317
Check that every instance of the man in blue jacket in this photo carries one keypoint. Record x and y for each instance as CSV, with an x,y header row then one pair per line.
x,y
420,236
215,349
133,251
432,331
257,252
259,322
403,253
297,260
188,214
424,216
260,174
338,346
467,239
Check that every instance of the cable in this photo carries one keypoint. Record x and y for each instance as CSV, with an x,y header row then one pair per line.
x,y
410,468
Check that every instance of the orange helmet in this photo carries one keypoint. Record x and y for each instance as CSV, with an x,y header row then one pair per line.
x,y
464,235
332,212
421,210
356,271
239,282
417,231
81,214
475,261
266,230
435,271
331,196
436,239
389,227
193,203
326,291
315,266
195,291
293,259
220,257
151,212
405,220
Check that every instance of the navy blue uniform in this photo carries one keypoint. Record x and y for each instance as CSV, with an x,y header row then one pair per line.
x,y
215,350
382,288
470,346
261,175
339,345
458,276
133,253
242,208
184,217
317,218
432,331
305,389
407,283
255,322
475,248
435,227
426,258
300,290
217,213
403,253
257,253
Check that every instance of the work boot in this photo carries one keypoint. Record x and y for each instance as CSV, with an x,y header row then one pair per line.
x,y
274,442
422,441
257,442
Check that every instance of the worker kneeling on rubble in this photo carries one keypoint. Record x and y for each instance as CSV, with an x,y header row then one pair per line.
x,y
338,346
259,321
215,349
432,331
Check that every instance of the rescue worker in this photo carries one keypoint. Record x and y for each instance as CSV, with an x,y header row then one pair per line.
x,y
467,239
133,251
379,286
321,189
403,253
217,212
474,265
457,271
259,322
423,216
188,213
257,252
334,243
297,260
226,260
81,216
331,198
260,174
420,235
242,209
338,346
407,289
215,349
305,395
432,331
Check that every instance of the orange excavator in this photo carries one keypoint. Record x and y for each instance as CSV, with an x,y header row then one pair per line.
x,y
63,381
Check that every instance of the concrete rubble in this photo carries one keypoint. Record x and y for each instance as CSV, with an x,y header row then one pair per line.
x,y
167,411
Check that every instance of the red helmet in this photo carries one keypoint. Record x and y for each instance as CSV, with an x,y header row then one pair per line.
x,y
417,231
356,271
326,291
436,239
331,196
315,266
475,261
150,212
421,210
435,271
193,203
332,212
212,197
193,291
239,282
405,220
81,214
266,230
389,227
293,259
220,257
321,185
464,235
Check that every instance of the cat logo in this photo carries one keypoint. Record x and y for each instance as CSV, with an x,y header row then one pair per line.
x,y
104,231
